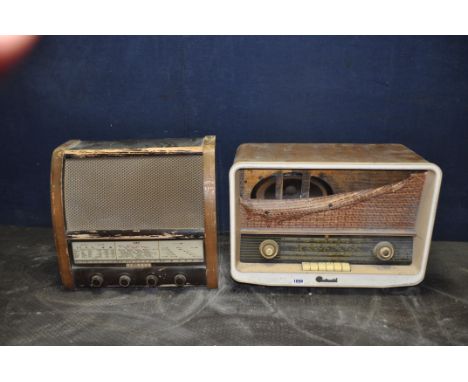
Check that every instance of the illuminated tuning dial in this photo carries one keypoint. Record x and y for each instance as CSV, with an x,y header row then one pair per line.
x,y
384,251
269,249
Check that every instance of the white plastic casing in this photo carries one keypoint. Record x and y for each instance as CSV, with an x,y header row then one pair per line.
x,y
360,276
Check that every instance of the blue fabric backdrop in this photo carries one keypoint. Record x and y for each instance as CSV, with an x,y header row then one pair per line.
x,y
410,90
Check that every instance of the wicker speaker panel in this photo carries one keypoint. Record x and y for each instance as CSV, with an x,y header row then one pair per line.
x,y
134,193
394,207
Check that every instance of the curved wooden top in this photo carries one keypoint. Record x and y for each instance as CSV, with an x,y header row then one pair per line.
x,y
80,148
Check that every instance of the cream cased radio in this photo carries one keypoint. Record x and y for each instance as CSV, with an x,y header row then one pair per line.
x,y
139,213
335,215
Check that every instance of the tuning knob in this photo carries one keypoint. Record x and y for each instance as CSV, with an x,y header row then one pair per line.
x,y
124,281
97,281
269,249
384,251
151,280
180,280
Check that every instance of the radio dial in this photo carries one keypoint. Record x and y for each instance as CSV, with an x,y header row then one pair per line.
x,y
384,251
269,249
124,281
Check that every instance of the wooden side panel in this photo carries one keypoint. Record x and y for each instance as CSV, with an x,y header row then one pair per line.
x,y
209,184
58,217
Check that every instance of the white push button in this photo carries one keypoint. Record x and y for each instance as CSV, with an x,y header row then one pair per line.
x,y
326,267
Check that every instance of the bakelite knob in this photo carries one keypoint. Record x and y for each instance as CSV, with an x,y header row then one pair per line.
x,y
180,280
151,280
269,249
384,251
124,281
97,281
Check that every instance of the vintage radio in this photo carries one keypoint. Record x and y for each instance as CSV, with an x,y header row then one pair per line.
x,y
335,215
135,213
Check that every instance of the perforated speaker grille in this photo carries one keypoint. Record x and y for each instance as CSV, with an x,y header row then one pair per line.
x,y
134,193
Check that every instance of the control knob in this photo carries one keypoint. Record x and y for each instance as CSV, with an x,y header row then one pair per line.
x,y
180,280
124,281
151,280
97,281
384,251
269,249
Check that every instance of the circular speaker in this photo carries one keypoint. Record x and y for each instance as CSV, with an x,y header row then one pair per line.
x,y
292,187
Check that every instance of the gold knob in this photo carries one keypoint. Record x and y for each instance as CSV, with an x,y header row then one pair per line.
x,y
269,249
384,251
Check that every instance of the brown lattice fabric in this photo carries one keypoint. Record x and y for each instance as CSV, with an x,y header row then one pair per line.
x,y
392,206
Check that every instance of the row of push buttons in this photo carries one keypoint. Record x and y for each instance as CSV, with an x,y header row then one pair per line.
x,y
327,267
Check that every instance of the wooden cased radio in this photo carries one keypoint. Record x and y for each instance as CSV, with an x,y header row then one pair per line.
x,y
136,213
335,215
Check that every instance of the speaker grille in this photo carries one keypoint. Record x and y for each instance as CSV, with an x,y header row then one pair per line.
x,y
134,193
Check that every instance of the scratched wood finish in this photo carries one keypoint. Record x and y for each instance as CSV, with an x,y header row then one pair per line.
x,y
209,184
137,144
90,149
58,216
326,153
